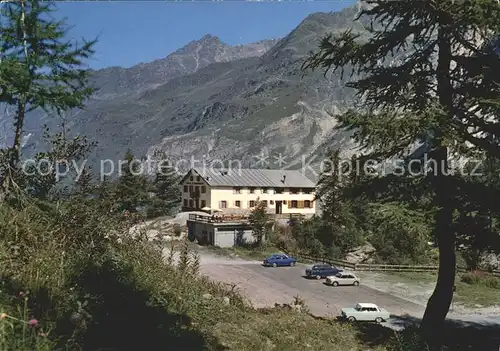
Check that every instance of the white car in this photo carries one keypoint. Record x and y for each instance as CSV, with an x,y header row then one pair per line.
x,y
366,312
343,278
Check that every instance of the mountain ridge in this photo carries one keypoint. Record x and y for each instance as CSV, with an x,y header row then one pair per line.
x,y
241,105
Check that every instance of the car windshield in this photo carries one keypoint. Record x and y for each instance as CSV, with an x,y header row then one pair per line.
x,y
339,275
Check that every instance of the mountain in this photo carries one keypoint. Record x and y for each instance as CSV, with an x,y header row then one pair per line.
x,y
195,55
213,101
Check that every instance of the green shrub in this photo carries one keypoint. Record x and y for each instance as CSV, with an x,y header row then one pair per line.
x,y
492,282
479,278
177,229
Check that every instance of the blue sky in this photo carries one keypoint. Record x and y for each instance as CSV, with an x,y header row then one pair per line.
x,y
141,31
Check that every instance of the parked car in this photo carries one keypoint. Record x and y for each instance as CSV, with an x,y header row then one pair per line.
x,y
322,270
280,260
366,312
343,278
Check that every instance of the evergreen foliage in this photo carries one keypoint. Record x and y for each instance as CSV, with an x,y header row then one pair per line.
x,y
444,92
258,220
166,196
39,69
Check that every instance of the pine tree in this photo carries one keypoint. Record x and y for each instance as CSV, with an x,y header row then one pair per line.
x,y
258,220
330,188
478,213
132,186
337,231
165,188
184,258
443,91
38,69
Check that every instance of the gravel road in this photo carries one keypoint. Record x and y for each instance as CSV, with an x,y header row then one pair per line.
x,y
265,286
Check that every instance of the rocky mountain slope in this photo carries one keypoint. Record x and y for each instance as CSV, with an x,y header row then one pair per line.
x,y
195,55
214,102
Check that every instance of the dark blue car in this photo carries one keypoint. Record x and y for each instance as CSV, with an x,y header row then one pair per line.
x,y
279,260
322,270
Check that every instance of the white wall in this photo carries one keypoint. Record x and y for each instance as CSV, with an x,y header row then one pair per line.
x,y
195,183
219,194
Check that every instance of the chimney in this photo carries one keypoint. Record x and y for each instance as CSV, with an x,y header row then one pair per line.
x,y
284,178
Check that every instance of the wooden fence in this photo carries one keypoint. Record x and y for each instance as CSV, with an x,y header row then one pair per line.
x,y
369,267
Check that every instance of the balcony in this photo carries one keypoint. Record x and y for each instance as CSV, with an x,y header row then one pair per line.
x,y
219,219
194,194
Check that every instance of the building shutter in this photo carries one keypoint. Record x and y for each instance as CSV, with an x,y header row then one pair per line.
x,y
300,204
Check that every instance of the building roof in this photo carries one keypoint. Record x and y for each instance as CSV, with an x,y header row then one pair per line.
x,y
247,177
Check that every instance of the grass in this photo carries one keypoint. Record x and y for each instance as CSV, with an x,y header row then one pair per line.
x,y
467,294
415,277
127,297
242,252
473,295
276,329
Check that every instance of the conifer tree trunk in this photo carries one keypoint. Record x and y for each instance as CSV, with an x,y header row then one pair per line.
x,y
19,124
440,301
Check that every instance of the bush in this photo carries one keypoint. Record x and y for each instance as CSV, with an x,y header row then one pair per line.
x,y
399,234
479,278
470,278
177,229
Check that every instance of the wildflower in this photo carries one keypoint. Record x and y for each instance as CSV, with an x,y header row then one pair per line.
x,y
33,323
3,315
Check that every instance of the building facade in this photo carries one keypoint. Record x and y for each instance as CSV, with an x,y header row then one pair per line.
x,y
222,234
284,191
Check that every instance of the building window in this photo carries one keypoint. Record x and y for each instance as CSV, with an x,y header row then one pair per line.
x,y
203,203
191,203
271,202
198,178
251,203
264,190
237,203
307,190
293,204
251,190
278,190
196,191
236,190
191,178
223,204
264,202
294,191
203,189
307,203
186,188
185,203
